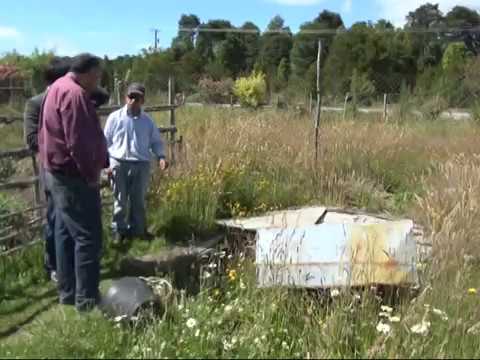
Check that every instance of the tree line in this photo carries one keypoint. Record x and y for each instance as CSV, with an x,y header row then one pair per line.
x,y
432,54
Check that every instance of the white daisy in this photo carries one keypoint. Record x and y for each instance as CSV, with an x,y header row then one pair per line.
x,y
383,328
441,314
421,329
394,319
334,293
191,323
386,309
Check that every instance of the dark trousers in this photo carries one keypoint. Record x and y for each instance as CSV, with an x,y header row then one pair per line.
x,y
78,239
50,262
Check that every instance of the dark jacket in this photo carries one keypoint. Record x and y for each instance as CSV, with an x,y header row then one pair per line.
x,y
30,121
32,113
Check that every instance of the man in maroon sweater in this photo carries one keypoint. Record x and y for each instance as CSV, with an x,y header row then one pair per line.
x,y
73,151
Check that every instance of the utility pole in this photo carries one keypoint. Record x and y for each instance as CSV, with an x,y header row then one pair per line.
x,y
155,45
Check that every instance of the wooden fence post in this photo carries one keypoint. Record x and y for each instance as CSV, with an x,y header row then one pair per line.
x,y
36,185
385,114
345,106
10,92
171,102
319,99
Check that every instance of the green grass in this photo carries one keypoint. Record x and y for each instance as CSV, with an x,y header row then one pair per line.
x,y
242,321
240,163
11,134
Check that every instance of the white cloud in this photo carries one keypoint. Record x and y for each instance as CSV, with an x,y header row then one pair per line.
x,y
9,32
397,10
297,2
347,6
61,46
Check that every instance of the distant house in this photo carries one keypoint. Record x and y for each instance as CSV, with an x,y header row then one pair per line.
x,y
12,85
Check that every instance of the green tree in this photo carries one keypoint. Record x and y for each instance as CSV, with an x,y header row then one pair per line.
x,y
32,66
251,42
154,69
107,74
209,42
189,70
184,41
461,17
276,44
216,70
232,54
452,87
462,21
454,58
373,49
282,74
305,44
427,45
472,78
361,88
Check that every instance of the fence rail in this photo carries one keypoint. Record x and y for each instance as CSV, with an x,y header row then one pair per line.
x,y
103,111
4,119
17,154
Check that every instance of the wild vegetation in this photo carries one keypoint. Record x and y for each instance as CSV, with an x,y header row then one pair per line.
x,y
240,162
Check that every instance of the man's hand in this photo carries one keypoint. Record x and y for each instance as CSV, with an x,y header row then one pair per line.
x,y
162,164
109,172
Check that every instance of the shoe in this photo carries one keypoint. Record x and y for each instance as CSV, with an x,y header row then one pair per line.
x,y
118,238
53,276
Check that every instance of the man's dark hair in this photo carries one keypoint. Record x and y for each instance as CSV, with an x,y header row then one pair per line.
x,y
99,97
57,68
83,63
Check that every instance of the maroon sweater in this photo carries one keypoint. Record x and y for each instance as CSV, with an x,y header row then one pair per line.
x,y
71,140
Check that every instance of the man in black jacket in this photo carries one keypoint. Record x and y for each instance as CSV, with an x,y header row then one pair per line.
x,y
57,68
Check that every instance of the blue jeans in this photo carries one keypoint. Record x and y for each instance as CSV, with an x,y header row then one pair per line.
x,y
130,183
78,239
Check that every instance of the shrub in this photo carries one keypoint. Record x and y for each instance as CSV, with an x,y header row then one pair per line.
x,y
476,112
432,108
251,90
215,92
405,103
361,88
7,168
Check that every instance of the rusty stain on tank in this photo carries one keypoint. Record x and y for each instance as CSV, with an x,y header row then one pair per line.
x,y
370,258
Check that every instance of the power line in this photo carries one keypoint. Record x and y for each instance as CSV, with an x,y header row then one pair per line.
x,y
326,31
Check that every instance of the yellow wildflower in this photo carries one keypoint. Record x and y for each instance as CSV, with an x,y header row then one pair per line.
x,y
472,291
232,275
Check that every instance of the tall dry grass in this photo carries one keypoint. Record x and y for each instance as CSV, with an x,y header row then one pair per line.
x,y
237,163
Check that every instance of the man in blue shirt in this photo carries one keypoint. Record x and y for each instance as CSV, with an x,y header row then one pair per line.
x,y
132,137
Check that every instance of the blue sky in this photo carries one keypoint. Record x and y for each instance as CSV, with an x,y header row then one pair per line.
x,y
120,27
